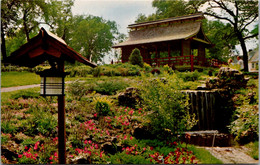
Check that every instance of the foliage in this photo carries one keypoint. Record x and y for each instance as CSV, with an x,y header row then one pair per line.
x,y
166,103
96,72
92,36
25,94
253,149
222,36
102,105
136,58
240,15
245,126
77,89
189,76
79,71
109,87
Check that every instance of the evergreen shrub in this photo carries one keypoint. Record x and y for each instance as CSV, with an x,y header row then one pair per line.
x,y
136,58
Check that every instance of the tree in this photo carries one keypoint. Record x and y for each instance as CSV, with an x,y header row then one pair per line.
x,y
136,58
92,36
222,36
240,15
9,17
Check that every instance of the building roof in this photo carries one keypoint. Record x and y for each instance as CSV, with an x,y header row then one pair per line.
x,y
168,20
171,32
255,57
45,46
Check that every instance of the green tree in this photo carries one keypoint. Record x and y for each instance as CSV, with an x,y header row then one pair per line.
x,y
9,17
92,36
136,58
240,15
222,36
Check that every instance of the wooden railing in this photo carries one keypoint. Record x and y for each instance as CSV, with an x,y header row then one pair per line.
x,y
184,60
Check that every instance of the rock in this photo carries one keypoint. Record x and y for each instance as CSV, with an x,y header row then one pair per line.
x,y
108,147
227,78
129,98
9,155
142,133
81,160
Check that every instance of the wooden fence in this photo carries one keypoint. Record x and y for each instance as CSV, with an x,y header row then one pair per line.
x,y
185,60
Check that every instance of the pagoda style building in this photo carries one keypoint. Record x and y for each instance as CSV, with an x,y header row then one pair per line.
x,y
172,41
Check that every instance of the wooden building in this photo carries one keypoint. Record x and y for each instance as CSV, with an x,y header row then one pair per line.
x,y
172,41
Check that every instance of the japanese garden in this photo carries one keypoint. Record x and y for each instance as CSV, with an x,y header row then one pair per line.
x,y
75,90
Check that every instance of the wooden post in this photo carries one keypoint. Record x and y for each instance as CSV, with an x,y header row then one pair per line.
x,y
61,124
169,54
191,63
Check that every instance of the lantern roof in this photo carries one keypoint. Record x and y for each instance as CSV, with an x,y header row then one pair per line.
x,y
45,46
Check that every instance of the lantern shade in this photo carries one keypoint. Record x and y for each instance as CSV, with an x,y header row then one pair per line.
x,y
52,82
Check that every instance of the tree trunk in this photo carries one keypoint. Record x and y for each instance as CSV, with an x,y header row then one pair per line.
x,y
243,46
3,46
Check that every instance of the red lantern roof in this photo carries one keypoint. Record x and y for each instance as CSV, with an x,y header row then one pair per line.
x,y
45,46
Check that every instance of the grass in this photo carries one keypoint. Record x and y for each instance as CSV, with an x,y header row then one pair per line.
x,y
203,155
254,150
8,95
11,79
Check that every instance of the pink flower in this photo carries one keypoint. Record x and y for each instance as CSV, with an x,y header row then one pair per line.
x,y
95,115
36,155
55,154
85,142
51,158
144,149
131,138
26,147
70,156
131,112
125,137
101,154
19,156
89,141
96,146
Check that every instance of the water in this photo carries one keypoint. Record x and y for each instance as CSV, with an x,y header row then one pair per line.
x,y
205,104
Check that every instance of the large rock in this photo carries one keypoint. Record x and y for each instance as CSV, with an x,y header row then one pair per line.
x,y
227,78
129,98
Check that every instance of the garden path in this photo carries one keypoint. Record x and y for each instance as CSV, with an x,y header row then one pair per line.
x,y
10,89
232,155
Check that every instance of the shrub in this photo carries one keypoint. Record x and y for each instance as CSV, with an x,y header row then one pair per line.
x,y
245,126
189,76
147,67
77,89
109,87
102,105
136,58
167,104
80,71
96,72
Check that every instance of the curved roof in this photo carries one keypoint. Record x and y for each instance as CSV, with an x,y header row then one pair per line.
x,y
45,46
164,33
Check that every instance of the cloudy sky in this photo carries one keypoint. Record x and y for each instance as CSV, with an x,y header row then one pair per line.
x,y
123,12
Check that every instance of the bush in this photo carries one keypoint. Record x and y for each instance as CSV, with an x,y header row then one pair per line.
x,y
109,87
96,72
77,89
102,105
79,71
136,58
167,104
245,126
189,76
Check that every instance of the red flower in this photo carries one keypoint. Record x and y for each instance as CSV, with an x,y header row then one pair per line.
x,y
151,148
19,156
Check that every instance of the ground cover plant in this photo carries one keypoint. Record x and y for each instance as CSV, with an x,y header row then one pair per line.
x,y
98,129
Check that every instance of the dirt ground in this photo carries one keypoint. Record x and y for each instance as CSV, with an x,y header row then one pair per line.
x,y
232,155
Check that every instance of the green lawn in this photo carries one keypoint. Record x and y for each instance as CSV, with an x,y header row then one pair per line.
x,y
11,79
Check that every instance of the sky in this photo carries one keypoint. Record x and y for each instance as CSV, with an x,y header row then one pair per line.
x,y
123,12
